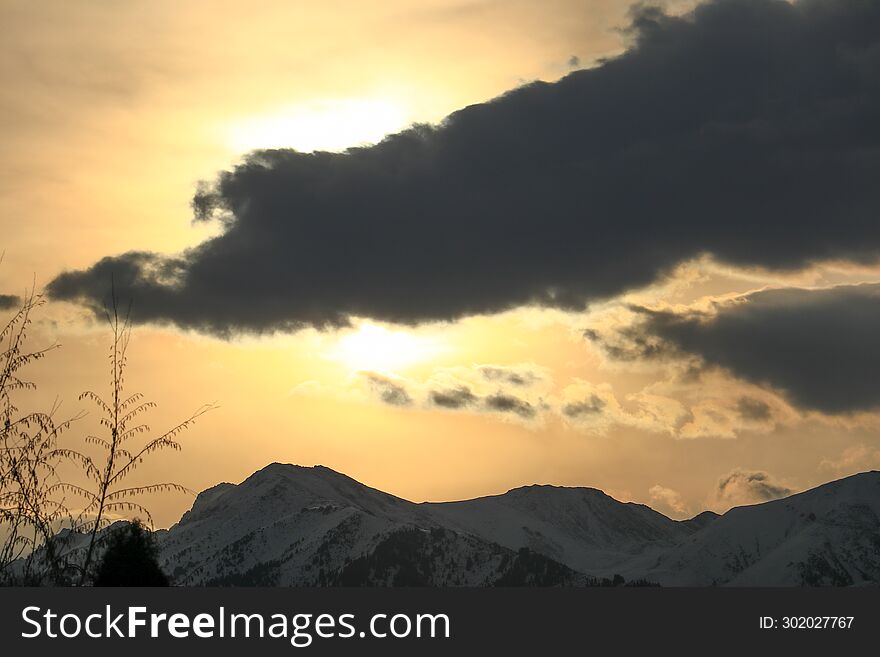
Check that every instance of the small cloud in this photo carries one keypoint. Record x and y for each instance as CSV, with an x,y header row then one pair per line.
x,y
595,408
628,343
667,499
856,458
574,61
454,398
389,392
750,408
513,376
8,301
504,403
741,487
594,405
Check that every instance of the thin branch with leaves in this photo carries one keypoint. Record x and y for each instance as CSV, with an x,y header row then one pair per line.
x,y
32,502
120,421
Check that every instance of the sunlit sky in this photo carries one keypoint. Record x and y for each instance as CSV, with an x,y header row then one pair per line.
x,y
113,112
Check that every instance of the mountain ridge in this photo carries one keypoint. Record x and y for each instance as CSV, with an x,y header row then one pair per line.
x,y
297,525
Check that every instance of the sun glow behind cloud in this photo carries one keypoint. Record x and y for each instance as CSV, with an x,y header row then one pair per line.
x,y
378,349
318,125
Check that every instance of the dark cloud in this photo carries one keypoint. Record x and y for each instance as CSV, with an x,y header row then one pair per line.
x,y
594,405
750,486
454,398
628,343
750,408
503,403
462,397
513,376
389,392
819,347
8,301
747,130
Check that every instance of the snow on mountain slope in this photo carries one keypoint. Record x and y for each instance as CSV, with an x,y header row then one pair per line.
x,y
292,525
700,520
829,535
303,521
581,527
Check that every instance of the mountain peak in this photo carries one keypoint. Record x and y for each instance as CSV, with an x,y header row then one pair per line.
x,y
539,489
700,520
289,469
300,525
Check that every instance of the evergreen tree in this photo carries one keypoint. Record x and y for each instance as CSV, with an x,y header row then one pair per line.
x,y
130,559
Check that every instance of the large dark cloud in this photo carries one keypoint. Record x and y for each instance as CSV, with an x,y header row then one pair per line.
x,y
748,130
820,347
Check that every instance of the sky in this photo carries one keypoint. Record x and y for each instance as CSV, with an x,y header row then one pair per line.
x,y
454,247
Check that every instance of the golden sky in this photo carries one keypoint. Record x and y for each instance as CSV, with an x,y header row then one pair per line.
x,y
113,112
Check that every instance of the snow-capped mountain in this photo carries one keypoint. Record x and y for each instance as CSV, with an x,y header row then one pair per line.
x,y
291,525
581,527
829,535
284,524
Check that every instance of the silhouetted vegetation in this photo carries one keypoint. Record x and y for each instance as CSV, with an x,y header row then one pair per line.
x,y
130,558
263,574
40,515
402,559
120,422
32,509
419,557
529,568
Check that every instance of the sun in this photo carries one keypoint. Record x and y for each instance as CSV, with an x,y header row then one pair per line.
x,y
318,125
375,348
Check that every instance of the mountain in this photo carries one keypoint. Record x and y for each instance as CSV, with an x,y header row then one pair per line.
x,y
827,536
294,526
581,527
290,525
284,524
